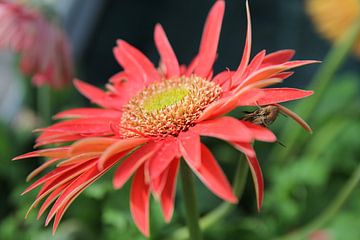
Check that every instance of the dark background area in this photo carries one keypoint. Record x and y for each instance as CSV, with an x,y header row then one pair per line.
x,y
276,25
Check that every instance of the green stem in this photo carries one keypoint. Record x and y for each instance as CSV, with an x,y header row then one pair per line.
x,y
291,135
225,208
330,211
44,104
188,189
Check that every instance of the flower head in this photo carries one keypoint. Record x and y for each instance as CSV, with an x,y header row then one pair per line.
x,y
43,47
151,118
333,18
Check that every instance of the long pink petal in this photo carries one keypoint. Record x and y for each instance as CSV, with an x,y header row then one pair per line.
x,y
161,160
294,116
247,49
133,162
139,202
93,144
120,146
168,194
135,62
190,148
94,94
59,152
168,57
88,113
278,57
83,126
41,168
226,128
213,177
210,39
257,178
244,147
260,133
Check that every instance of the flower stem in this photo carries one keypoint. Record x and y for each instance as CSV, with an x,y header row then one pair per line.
x,y
330,211
291,135
44,104
225,208
188,189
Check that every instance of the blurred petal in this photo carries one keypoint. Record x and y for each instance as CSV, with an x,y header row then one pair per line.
x,y
189,147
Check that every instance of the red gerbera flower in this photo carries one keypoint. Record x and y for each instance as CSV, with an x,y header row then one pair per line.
x,y
43,47
149,119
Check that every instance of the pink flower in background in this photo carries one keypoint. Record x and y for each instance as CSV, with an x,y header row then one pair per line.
x,y
149,119
43,47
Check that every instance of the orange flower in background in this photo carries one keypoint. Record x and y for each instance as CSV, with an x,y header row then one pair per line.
x,y
149,119
43,47
332,18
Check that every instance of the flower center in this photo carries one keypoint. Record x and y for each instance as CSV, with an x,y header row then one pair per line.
x,y
167,107
164,99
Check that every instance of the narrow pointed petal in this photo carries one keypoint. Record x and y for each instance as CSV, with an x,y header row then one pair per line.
x,y
190,148
226,128
88,113
49,200
135,62
94,94
80,158
60,152
260,133
224,79
278,95
168,57
157,184
294,116
227,104
139,202
210,39
245,148
247,49
120,146
256,62
133,162
213,177
41,168
83,126
94,144
161,160
278,57
257,178
168,194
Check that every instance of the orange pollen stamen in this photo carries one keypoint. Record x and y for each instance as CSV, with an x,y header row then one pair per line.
x,y
167,107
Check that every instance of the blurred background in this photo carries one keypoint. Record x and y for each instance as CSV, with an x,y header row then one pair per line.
x,y
304,182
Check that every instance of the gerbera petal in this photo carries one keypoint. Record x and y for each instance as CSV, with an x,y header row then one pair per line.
x,y
224,79
139,201
190,148
120,146
83,126
42,167
168,57
133,162
226,128
257,178
244,147
294,116
168,193
210,173
135,62
210,39
60,152
94,144
88,113
278,95
260,133
247,49
161,160
94,94
278,57
256,62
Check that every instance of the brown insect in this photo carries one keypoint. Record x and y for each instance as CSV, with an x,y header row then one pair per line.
x,y
266,115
